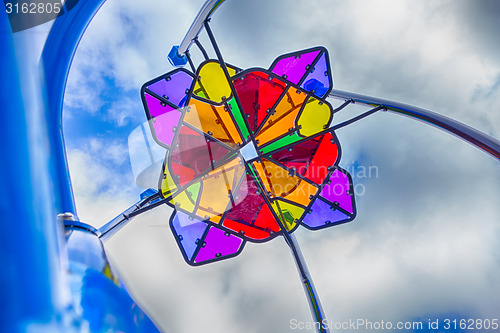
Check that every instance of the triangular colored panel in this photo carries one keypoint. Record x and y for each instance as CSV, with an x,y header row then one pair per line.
x,y
189,232
213,120
319,81
174,87
282,119
288,214
242,217
218,245
322,215
294,66
194,155
258,93
339,190
162,119
218,186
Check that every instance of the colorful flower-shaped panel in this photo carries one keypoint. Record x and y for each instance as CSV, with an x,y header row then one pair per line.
x,y
249,154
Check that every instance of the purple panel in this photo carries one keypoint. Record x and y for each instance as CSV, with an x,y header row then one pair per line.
x,y
164,126
323,214
189,232
173,88
218,244
318,80
295,66
337,191
155,107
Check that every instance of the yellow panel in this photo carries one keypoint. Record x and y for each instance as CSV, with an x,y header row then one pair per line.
x,y
167,186
217,186
212,83
314,118
284,117
213,120
287,213
183,201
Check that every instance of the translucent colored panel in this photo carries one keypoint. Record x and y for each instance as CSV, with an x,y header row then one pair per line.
x,y
212,83
238,117
249,231
315,117
257,93
302,194
217,187
217,245
155,107
325,156
276,179
173,87
266,220
319,81
293,67
167,184
242,216
288,214
163,118
259,167
194,155
189,231
280,143
187,199
283,119
298,157
281,184
322,214
184,201
213,120
339,191
310,158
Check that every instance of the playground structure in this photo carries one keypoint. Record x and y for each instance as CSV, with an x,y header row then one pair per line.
x,y
30,252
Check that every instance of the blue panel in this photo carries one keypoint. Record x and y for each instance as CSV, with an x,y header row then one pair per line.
x,y
189,232
322,214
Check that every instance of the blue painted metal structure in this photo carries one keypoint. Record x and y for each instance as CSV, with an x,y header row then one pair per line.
x,y
55,277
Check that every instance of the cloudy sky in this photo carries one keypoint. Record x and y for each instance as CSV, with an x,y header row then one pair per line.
x,y
425,242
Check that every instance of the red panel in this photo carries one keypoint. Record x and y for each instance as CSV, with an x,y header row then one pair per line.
x,y
325,156
257,93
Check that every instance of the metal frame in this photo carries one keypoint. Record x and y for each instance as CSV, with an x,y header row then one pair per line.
x,y
471,135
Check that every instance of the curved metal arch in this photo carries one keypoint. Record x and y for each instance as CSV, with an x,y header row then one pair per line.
x,y
55,62
471,135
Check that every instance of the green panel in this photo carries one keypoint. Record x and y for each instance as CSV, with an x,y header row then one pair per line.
x,y
238,117
287,140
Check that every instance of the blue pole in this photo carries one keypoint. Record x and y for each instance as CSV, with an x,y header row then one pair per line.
x,y
31,275
56,60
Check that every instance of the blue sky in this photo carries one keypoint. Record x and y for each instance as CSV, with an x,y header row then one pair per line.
x,y
425,241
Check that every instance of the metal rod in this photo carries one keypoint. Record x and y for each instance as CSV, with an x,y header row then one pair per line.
x,y
321,323
202,49
113,226
194,31
479,139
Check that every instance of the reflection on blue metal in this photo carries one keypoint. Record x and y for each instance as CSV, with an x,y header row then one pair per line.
x,y
31,291
56,60
99,300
